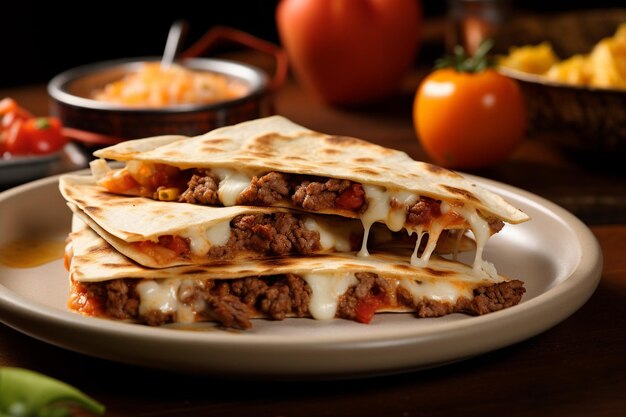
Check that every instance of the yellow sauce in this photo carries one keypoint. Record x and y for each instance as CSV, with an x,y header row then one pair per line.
x,y
28,253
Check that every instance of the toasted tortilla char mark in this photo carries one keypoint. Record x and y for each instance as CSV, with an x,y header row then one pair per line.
x,y
467,194
367,171
436,169
276,261
348,141
402,266
211,149
365,160
294,158
438,273
93,209
267,142
331,152
193,272
262,154
172,153
216,141
114,265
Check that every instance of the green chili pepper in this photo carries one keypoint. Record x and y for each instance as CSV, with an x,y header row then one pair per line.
x,y
25,393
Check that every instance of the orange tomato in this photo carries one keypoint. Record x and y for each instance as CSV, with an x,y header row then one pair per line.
x,y
347,51
469,119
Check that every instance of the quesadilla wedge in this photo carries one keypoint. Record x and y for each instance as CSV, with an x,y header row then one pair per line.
x,y
275,162
106,284
157,234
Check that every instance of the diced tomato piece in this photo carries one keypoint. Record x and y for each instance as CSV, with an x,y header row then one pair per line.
x,y
176,244
352,198
81,301
168,247
367,307
17,139
119,181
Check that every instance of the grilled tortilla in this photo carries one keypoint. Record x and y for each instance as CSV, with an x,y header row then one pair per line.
x,y
157,234
104,283
274,162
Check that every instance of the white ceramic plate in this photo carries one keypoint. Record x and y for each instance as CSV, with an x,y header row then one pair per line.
x,y
555,254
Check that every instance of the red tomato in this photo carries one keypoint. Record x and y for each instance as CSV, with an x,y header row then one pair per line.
x,y
45,134
16,138
349,51
10,106
469,119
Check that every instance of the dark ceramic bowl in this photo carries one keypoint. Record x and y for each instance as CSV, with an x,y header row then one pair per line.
x,y
70,93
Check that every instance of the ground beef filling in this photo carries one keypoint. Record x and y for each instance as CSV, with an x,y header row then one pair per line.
x,y
231,302
310,193
268,234
486,299
201,189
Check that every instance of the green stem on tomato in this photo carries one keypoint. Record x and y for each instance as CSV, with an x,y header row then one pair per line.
x,y
463,63
42,123
25,393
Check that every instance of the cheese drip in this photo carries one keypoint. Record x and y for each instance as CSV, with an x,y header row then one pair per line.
x,y
326,288
380,209
481,231
232,184
433,236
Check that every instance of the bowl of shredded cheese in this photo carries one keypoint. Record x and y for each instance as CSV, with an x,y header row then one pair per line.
x,y
142,97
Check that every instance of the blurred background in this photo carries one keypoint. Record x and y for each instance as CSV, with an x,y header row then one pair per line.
x,y
42,40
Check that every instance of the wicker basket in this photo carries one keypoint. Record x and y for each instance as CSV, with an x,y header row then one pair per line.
x,y
588,120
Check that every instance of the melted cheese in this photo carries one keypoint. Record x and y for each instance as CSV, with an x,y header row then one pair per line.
x,y
379,209
481,231
219,233
433,235
332,236
158,295
232,184
187,312
201,241
163,295
397,216
436,290
420,234
326,290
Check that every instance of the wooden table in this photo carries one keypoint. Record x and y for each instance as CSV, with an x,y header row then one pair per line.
x,y
577,368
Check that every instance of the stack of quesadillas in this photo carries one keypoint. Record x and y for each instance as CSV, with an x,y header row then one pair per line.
x,y
268,219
